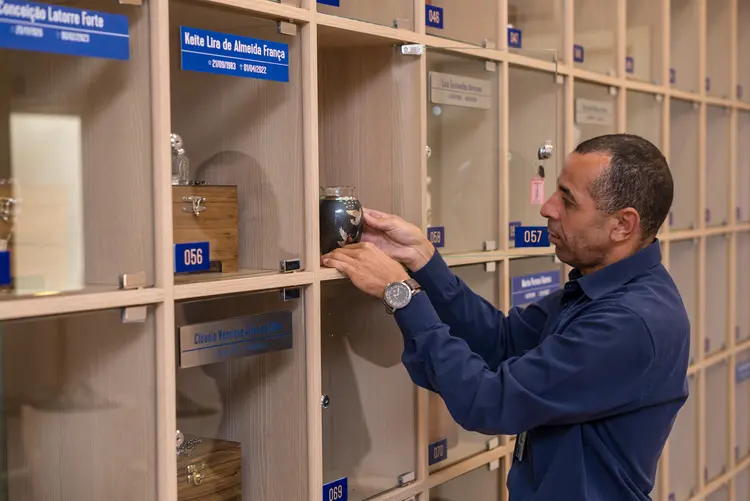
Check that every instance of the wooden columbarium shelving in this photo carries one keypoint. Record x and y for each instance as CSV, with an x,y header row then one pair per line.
x,y
95,375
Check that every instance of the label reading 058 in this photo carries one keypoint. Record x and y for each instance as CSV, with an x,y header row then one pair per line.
x,y
193,256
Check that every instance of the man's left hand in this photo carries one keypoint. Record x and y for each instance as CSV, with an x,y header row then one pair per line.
x,y
369,268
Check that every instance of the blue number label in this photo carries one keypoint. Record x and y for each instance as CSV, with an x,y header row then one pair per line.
x,y
5,276
531,236
192,256
336,490
434,16
438,451
332,3
436,236
514,38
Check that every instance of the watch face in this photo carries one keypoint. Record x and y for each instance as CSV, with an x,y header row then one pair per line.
x,y
397,295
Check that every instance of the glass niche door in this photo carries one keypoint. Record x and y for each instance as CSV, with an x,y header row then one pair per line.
x,y
464,158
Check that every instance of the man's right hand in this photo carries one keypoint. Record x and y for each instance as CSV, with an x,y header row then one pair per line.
x,y
401,240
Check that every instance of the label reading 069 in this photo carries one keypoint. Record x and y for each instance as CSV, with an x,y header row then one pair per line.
x,y
336,491
193,256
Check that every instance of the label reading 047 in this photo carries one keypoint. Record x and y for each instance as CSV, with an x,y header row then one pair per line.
x,y
193,256
337,490
531,236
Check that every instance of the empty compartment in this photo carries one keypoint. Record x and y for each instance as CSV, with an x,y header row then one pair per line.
x,y
75,149
536,144
368,119
241,391
79,407
643,52
717,166
533,278
743,42
718,40
742,287
595,111
474,23
392,13
463,170
720,494
537,27
485,483
237,119
369,400
683,449
717,294
717,420
742,485
448,442
742,185
742,406
594,27
684,45
683,147
645,112
683,267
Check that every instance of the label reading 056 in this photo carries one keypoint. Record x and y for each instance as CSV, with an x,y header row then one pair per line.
x,y
193,256
531,236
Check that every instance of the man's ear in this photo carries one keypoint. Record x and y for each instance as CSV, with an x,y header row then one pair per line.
x,y
627,223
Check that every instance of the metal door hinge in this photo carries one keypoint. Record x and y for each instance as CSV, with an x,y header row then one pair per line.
x,y
414,49
286,28
290,265
133,280
130,2
406,479
134,315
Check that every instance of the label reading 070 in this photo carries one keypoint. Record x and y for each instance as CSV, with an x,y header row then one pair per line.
x,y
337,490
193,256
531,236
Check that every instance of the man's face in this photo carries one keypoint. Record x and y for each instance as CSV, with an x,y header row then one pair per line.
x,y
579,232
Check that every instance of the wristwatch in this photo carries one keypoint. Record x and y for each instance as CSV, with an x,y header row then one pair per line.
x,y
399,294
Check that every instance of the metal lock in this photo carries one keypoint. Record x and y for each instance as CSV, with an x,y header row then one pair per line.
x,y
196,202
545,152
325,401
194,473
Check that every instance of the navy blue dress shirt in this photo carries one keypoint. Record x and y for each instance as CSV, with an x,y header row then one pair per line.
x,y
594,373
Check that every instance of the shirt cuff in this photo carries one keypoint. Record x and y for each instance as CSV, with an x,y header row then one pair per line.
x,y
417,317
435,276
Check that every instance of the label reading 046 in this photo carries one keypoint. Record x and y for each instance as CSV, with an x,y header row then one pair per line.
x,y
531,236
193,256
434,17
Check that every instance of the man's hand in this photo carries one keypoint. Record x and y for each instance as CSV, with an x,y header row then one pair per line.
x,y
399,239
369,268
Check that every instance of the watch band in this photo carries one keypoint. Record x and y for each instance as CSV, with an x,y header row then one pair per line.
x,y
414,287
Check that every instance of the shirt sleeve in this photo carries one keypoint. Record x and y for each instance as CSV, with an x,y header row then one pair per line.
x,y
595,367
487,331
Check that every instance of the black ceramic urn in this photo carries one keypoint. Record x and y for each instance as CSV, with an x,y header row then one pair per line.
x,y
341,221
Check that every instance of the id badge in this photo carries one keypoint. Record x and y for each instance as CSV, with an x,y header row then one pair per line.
x,y
520,446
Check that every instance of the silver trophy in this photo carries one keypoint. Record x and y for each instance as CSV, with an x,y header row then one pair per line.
x,y
180,162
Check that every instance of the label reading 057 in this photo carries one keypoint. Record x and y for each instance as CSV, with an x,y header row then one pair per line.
x,y
531,236
193,256
336,491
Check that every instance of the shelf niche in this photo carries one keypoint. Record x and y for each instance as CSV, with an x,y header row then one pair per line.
x,y
257,401
76,159
717,166
392,13
74,385
742,407
485,483
718,41
742,283
369,411
594,36
717,297
536,113
643,52
452,20
683,448
244,135
595,111
683,267
742,92
742,185
684,26
683,161
463,173
369,108
448,442
536,27
717,420
645,113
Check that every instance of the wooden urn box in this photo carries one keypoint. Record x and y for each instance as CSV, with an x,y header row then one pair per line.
x,y
208,213
210,471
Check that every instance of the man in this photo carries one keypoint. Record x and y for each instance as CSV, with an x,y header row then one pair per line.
x,y
591,377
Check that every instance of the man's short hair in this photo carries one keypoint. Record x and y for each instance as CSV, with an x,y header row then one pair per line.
x,y
638,176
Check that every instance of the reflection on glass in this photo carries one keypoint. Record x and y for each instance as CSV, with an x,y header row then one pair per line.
x,y
643,53
462,165
536,27
393,13
369,406
595,111
594,41
69,395
474,23
75,169
645,116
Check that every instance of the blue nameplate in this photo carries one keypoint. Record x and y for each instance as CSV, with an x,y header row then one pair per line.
x,y
514,38
742,371
338,490
438,451
433,17
223,54
436,236
40,27
531,236
530,288
578,53
190,257
332,3
5,278
629,65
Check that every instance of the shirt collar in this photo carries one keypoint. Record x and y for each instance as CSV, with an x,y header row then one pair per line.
x,y
619,273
